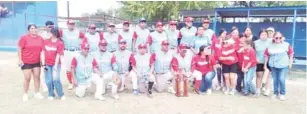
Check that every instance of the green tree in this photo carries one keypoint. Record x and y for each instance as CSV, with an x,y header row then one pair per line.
x,y
163,10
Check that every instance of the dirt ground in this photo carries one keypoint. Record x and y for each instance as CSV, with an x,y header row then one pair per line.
x,y
11,81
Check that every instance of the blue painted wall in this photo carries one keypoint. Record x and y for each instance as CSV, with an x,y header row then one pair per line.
x,y
15,23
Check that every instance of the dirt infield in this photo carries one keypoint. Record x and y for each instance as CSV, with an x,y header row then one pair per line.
x,y
11,81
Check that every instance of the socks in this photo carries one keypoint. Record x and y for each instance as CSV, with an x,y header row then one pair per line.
x,y
150,85
69,77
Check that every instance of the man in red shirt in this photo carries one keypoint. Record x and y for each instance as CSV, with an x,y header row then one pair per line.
x,y
84,69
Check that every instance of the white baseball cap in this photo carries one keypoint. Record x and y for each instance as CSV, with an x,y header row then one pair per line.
x,y
270,29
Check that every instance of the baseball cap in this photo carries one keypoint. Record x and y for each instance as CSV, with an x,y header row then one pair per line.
x,y
142,19
164,42
159,23
270,29
49,23
122,41
92,26
142,46
188,19
182,46
103,42
85,45
172,22
126,22
70,21
111,24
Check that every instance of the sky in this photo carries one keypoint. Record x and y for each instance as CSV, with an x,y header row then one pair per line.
x,y
78,7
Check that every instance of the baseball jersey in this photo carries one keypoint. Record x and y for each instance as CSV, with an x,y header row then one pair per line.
x,y
182,63
204,65
140,36
229,51
123,63
155,39
93,40
198,41
172,37
141,63
72,39
127,35
187,35
260,46
162,61
112,40
106,61
279,54
51,49
247,56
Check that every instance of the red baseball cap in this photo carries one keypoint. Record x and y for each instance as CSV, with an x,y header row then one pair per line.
x,y
172,22
164,42
103,42
182,46
92,26
206,21
126,22
142,46
159,23
188,19
85,45
70,21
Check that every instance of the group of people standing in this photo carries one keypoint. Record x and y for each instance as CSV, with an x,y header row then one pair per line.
x,y
164,60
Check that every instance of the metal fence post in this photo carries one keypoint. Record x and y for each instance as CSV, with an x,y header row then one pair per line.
x,y
293,29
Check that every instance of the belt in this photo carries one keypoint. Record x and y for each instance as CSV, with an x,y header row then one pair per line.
x,y
188,47
71,49
161,73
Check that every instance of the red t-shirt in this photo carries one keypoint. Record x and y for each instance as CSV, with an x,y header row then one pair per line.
x,y
216,47
204,65
247,56
51,49
31,48
229,51
74,63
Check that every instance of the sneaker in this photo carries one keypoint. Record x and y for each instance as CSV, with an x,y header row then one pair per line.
x,y
149,95
263,87
63,98
266,93
257,94
115,96
282,97
171,90
201,93
218,87
209,92
226,92
38,96
232,92
274,97
45,89
121,89
135,92
100,98
25,97
70,86
51,98
224,89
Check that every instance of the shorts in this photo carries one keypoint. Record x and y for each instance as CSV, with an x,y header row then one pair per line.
x,y
233,68
26,66
260,68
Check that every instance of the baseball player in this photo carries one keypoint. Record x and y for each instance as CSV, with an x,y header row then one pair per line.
x,y
72,38
188,32
162,67
112,38
141,34
142,71
123,63
93,38
84,70
155,38
208,32
182,67
107,66
173,35
127,35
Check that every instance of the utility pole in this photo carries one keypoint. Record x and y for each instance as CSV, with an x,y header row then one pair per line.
x,y
68,16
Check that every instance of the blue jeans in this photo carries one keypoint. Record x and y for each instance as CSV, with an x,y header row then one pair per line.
x,y
206,82
279,80
248,80
53,83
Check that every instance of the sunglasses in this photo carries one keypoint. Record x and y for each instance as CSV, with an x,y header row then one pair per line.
x,y
86,49
93,28
142,47
122,43
103,45
225,42
278,37
205,22
173,24
50,26
165,44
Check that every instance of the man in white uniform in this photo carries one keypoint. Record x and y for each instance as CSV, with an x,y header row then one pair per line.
x,y
107,66
112,37
93,38
72,38
155,38
141,34
84,70
127,34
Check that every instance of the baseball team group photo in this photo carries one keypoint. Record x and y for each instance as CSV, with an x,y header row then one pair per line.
x,y
199,57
